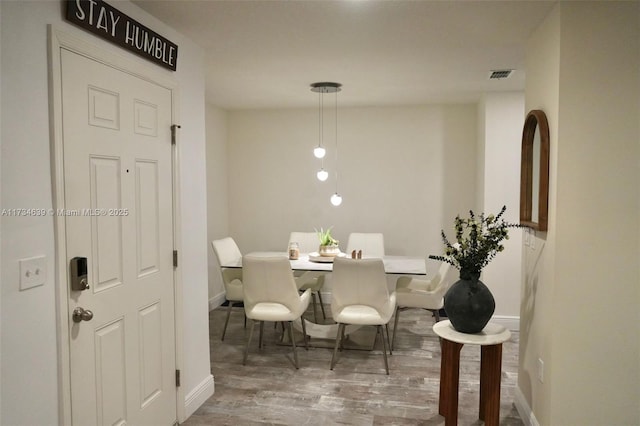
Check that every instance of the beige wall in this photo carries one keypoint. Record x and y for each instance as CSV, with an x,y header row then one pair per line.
x,y
217,194
404,171
499,161
542,87
581,289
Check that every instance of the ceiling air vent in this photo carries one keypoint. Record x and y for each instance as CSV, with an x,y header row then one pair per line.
x,y
498,74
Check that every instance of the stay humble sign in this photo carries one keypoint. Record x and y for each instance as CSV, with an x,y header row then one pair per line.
x,y
109,23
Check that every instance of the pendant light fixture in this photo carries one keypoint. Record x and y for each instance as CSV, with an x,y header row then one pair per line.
x,y
323,88
320,89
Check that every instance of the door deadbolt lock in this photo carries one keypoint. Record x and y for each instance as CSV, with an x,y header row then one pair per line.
x,y
80,314
79,278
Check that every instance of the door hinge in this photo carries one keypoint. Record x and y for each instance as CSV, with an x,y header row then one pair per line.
x,y
173,133
175,258
177,378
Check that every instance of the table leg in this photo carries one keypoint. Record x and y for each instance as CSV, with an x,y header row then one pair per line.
x,y
449,377
490,374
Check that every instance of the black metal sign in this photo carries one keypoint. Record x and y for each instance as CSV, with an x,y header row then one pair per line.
x,y
109,23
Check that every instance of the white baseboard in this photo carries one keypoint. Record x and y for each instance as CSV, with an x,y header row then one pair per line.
x,y
198,396
511,323
216,301
527,416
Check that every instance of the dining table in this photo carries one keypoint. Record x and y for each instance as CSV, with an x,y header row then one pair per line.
x,y
393,265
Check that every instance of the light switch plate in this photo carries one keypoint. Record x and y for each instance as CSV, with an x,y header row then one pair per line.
x,y
33,272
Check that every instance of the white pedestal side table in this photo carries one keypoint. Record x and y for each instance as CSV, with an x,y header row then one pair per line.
x,y
490,340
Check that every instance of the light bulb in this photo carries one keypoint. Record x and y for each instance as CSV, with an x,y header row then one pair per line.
x,y
336,199
322,175
319,152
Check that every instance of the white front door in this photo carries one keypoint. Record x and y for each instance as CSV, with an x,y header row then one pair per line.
x,y
118,199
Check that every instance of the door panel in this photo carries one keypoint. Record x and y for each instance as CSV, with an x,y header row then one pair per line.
x,y
106,231
150,353
118,183
111,391
147,217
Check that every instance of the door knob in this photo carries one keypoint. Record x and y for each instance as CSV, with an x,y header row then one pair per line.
x,y
80,314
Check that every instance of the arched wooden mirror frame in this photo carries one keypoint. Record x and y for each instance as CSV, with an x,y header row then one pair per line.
x,y
536,121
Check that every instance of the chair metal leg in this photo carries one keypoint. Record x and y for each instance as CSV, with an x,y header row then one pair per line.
x,y
315,309
304,333
436,313
226,321
324,315
293,344
386,327
384,349
395,327
246,348
261,332
338,342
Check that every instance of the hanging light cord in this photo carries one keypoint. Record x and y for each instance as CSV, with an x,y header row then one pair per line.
x,y
336,112
321,121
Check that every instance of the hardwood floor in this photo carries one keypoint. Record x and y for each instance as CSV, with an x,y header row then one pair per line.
x,y
269,390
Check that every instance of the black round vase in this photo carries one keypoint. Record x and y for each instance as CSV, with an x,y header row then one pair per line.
x,y
469,305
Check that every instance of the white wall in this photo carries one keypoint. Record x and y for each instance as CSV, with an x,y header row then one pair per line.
x,y
503,122
580,293
28,319
29,369
217,195
405,172
1,91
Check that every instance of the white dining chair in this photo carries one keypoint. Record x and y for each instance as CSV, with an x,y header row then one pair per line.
x,y
371,244
271,294
422,294
227,252
361,297
308,243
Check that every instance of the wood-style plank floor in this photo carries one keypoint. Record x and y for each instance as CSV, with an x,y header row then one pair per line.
x,y
270,391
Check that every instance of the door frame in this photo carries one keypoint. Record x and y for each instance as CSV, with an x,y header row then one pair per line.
x,y
94,49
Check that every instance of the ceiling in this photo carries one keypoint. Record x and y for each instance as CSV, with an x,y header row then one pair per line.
x,y
265,54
